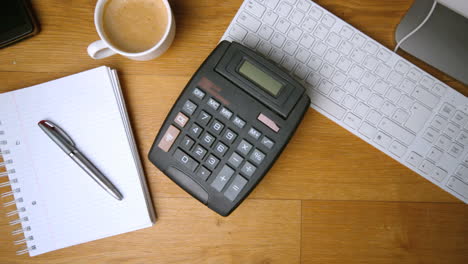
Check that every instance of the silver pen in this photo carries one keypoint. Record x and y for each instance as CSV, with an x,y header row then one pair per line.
x,y
68,146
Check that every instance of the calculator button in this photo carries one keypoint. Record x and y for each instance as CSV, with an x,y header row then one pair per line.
x,y
187,143
254,133
168,139
222,178
212,162
257,156
208,139
198,93
203,173
235,188
185,160
248,169
189,107
199,152
221,149
204,118
181,119
244,147
229,136
195,130
268,122
235,160
217,127
238,122
213,104
226,113
268,143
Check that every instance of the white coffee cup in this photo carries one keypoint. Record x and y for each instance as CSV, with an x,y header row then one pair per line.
x,y
103,48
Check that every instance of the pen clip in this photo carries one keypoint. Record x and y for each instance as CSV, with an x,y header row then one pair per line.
x,y
59,130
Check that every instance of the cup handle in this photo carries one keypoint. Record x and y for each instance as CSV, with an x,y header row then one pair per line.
x,y
99,50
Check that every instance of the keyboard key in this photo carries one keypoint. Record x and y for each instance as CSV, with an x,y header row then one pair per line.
x,y
239,122
434,154
254,133
203,173
327,70
199,152
344,64
363,93
327,105
439,174
425,97
207,139
331,56
222,178
325,86
460,118
414,74
283,25
443,142
220,149
189,107
463,138
400,116
198,93
337,94
346,32
393,95
278,40
204,118
270,17
309,24
387,108
315,63
283,9
396,131
328,20
290,47
169,138
398,149
383,54
304,5
407,86
181,119
264,48
251,41
376,101
370,62
455,150
427,167
358,40
374,117
229,136
213,103
248,21
187,143
427,82
307,41
451,130
405,102
458,186
321,32
319,48
395,78
184,159
288,63
352,121
212,162
315,13
226,113
439,90
368,130
238,33
418,118
402,67
439,123
361,110
235,160
248,169
358,55
371,47
195,130
383,71
414,159
257,156
296,17
333,40
462,173
255,8
383,140
235,187
345,47
349,102
447,110
351,86
295,33
244,147
356,72
265,32
302,56
381,86
430,135
267,142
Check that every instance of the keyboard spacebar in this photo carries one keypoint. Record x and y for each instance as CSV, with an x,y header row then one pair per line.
x,y
327,105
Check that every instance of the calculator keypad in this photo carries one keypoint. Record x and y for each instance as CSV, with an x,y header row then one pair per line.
x,y
210,131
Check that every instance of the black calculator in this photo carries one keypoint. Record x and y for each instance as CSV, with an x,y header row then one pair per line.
x,y
229,125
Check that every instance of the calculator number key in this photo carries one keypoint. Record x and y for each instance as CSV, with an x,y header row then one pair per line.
x,y
213,103
254,133
221,149
195,130
257,156
229,136
235,188
187,142
244,147
189,107
208,139
199,152
185,160
204,118
199,93
217,127
212,162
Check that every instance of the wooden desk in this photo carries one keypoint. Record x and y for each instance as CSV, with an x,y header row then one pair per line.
x,y
330,198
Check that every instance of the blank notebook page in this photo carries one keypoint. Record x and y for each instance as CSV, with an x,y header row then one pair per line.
x,y
64,205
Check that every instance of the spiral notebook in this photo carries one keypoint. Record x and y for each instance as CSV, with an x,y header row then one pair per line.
x,y
57,204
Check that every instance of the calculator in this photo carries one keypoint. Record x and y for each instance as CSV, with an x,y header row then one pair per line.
x,y
228,126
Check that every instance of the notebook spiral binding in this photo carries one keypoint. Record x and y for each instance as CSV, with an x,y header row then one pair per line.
x,y
18,201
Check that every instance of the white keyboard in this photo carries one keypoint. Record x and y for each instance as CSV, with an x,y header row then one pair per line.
x,y
364,87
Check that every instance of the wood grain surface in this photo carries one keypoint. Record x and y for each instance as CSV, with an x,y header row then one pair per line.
x,y
330,198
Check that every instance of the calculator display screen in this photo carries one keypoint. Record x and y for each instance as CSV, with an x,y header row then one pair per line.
x,y
261,78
